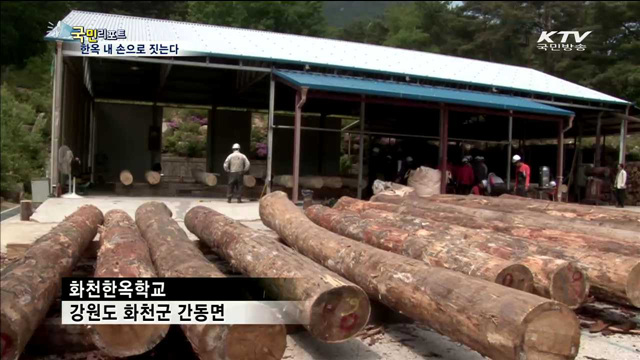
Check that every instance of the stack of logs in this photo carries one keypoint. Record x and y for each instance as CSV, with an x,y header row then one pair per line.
x,y
633,183
500,275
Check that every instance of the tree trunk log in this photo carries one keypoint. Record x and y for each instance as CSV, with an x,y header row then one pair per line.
x,y
439,247
249,181
153,177
519,218
308,182
26,210
126,178
612,277
332,182
334,308
30,285
205,178
124,253
174,255
555,279
531,328
51,337
595,216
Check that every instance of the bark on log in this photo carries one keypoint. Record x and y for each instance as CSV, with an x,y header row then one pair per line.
x,y
51,337
205,178
152,177
30,285
124,253
528,219
332,182
308,182
612,277
599,216
249,181
26,210
334,308
126,178
498,322
444,248
174,255
496,221
556,279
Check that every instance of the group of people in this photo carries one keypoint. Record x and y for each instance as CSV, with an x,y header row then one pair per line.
x,y
469,178
477,180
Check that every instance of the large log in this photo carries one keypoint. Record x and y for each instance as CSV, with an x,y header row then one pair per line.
x,y
126,178
438,247
174,255
599,216
124,253
519,218
309,182
496,221
205,178
153,177
333,308
556,279
30,285
249,181
497,321
332,182
612,277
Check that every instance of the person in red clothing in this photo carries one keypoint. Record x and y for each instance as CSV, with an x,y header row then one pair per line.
x,y
465,177
523,174
480,188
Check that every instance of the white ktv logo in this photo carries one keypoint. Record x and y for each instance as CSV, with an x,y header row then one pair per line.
x,y
546,36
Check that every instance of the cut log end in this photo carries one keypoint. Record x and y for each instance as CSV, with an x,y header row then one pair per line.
x,y
339,314
153,177
127,340
126,178
552,332
516,276
633,286
249,181
569,286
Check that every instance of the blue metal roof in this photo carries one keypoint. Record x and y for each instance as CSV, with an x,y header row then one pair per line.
x,y
344,84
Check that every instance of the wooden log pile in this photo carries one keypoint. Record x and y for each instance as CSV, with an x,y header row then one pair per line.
x,y
333,308
633,183
612,265
30,285
463,308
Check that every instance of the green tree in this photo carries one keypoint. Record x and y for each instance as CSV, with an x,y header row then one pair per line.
x,y
23,151
292,17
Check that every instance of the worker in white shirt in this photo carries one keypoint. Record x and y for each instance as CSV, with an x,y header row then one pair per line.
x,y
621,186
236,165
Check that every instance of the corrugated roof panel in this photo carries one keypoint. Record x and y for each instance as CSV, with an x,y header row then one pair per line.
x,y
262,45
354,85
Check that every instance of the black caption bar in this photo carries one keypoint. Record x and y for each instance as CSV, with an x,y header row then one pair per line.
x,y
176,289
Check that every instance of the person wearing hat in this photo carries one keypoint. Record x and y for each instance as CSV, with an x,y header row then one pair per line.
x,y
480,170
621,186
480,188
523,175
236,165
465,176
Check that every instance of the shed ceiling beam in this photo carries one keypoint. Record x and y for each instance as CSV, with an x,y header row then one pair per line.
x,y
178,62
579,106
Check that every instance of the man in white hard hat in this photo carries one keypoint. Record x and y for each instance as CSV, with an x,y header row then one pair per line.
x,y
236,165
523,175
